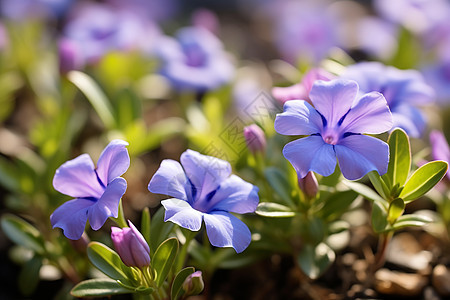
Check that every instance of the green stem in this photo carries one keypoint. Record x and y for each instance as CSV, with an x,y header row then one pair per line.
x,y
380,256
120,220
189,235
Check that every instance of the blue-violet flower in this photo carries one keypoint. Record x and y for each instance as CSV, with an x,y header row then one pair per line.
x,y
97,190
204,189
335,125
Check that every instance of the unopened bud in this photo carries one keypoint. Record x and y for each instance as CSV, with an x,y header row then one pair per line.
x,y
193,284
255,138
309,185
131,246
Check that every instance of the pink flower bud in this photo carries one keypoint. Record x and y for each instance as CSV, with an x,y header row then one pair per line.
x,y
309,185
193,284
70,56
131,246
255,138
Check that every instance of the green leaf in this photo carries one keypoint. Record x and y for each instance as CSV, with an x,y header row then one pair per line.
x,y
176,290
411,220
423,180
145,224
396,208
337,204
365,191
159,230
279,182
399,159
379,218
95,95
315,260
379,185
274,210
29,275
163,259
98,288
22,233
107,261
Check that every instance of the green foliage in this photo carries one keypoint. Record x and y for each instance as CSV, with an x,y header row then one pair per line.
x,y
108,261
98,288
400,159
23,233
159,230
163,259
177,290
423,180
314,260
275,210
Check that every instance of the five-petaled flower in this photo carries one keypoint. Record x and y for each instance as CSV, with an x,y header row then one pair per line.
x,y
97,190
204,189
335,125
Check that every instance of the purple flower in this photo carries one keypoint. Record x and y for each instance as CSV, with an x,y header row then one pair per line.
x,y
70,56
204,190
99,29
25,9
255,138
301,90
439,147
305,30
195,60
97,190
131,246
403,90
335,125
437,75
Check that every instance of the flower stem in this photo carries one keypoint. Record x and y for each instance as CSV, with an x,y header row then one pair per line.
x,y
380,256
189,235
120,220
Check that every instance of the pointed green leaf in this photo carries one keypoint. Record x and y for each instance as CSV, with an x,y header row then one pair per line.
x,y
399,158
176,290
396,208
379,185
107,261
22,233
98,288
379,218
274,210
95,95
423,180
145,224
315,260
279,182
337,204
365,191
163,259
159,230
411,220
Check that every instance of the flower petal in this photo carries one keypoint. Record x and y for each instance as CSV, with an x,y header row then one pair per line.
x,y
182,214
359,154
333,98
235,195
113,162
71,217
225,230
370,115
170,180
77,178
205,172
310,154
108,204
410,119
298,118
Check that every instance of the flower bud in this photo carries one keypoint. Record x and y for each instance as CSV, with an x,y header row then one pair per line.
x,y
193,284
70,56
131,246
81,244
309,185
255,138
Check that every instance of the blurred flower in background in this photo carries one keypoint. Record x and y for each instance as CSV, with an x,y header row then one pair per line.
x,y
404,90
101,28
25,9
194,60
